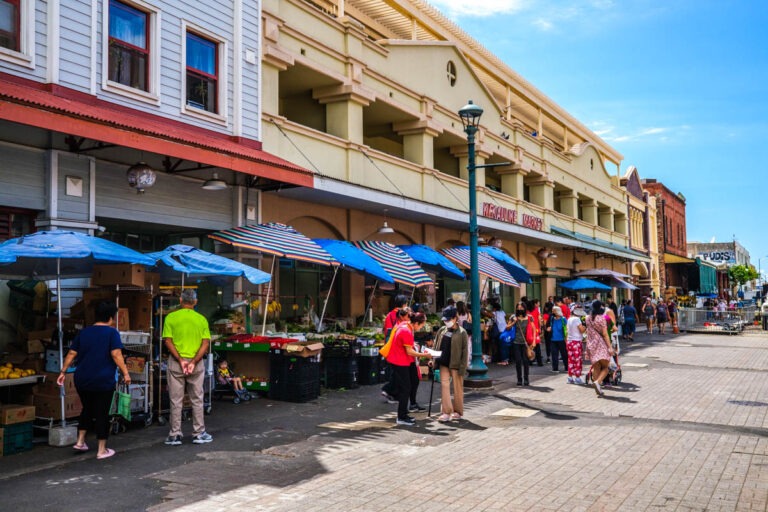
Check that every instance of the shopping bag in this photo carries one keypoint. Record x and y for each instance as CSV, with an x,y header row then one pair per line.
x,y
384,351
612,364
121,404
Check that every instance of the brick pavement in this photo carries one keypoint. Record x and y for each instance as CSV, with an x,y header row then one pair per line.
x,y
687,432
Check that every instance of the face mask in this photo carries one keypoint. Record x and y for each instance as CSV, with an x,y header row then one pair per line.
x,y
520,312
450,323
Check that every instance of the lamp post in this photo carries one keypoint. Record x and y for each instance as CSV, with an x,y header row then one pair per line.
x,y
478,372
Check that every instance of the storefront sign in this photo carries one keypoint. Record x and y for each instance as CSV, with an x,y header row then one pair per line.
x,y
503,214
718,256
532,222
499,213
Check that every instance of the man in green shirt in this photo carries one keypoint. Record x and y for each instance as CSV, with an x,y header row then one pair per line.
x,y
186,335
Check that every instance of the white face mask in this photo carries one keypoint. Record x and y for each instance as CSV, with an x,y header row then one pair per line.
x,y
450,323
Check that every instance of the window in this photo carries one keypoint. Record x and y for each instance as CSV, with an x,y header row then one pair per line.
x,y
202,73
15,223
10,24
128,46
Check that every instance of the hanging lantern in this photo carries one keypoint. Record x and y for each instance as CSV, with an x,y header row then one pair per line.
x,y
140,176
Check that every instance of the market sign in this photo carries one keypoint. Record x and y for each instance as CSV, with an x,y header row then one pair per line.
x,y
503,214
718,256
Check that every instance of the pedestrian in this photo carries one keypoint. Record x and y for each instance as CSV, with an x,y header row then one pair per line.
x,y
464,319
398,314
599,346
99,352
401,356
453,343
630,321
561,302
546,316
524,337
532,307
576,330
672,309
649,312
187,338
558,332
498,324
662,316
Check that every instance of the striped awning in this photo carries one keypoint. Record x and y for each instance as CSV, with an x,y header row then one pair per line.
x,y
396,263
487,266
276,239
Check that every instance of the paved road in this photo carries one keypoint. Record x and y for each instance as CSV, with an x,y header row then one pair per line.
x,y
686,430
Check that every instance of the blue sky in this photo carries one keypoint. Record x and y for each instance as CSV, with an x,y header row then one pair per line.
x,y
679,87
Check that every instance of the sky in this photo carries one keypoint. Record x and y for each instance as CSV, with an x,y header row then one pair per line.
x,y
678,87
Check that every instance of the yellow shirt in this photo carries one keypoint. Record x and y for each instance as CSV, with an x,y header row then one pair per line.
x,y
187,329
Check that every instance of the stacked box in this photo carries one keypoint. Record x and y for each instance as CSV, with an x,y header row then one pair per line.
x,y
16,438
369,369
341,372
293,378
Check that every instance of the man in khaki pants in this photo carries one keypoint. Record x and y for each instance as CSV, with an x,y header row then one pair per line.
x,y
186,335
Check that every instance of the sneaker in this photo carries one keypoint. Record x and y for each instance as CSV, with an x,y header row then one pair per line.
x,y
389,398
173,440
578,380
406,422
570,380
416,408
205,437
598,389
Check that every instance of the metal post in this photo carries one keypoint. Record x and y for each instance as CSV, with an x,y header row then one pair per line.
x,y
477,370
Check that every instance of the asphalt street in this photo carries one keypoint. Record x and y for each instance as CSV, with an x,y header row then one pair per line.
x,y
687,429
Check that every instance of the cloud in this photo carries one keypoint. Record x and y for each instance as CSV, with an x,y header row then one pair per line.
x,y
479,8
543,25
612,134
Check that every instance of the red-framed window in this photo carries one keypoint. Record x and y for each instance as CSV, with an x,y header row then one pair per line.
x,y
15,223
10,24
128,45
202,73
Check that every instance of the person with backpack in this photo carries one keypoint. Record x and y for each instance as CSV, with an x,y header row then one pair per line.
x,y
401,356
557,330
662,316
523,342
398,314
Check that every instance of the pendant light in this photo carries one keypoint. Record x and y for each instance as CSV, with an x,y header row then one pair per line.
x,y
385,229
140,176
214,183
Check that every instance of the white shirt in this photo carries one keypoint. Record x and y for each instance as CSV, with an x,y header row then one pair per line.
x,y
573,328
501,320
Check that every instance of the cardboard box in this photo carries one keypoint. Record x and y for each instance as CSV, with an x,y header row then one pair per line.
x,y
35,347
10,414
139,305
304,349
135,364
123,319
254,365
152,281
77,310
49,386
49,406
122,274
93,295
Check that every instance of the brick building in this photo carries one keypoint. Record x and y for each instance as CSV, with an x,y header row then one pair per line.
x,y
671,232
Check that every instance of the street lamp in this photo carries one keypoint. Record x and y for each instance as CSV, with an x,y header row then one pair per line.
x,y
478,371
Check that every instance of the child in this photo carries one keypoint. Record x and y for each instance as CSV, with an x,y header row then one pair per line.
x,y
224,376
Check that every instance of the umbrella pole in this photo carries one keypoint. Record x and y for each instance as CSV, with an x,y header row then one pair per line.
x,y
413,292
370,301
266,300
325,304
61,335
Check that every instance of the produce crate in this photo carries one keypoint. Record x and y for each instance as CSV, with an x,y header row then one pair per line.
x,y
369,369
16,438
341,372
341,348
293,378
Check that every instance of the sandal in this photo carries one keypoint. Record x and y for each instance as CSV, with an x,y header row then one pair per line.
x,y
443,418
80,447
455,416
110,452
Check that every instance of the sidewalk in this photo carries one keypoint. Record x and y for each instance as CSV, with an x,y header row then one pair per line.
x,y
687,430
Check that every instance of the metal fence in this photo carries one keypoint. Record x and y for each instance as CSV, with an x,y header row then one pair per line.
x,y
732,321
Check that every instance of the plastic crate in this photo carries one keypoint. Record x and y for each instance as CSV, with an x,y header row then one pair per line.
x,y
293,378
369,370
17,438
341,348
341,372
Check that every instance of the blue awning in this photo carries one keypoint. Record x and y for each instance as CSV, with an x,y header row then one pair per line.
x,y
519,272
188,260
353,258
432,260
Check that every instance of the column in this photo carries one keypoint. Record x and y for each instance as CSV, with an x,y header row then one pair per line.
x,y
569,204
606,217
274,60
589,211
543,193
481,156
344,109
418,141
512,180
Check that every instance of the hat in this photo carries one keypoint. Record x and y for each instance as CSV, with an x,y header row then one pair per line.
x,y
557,310
449,313
579,311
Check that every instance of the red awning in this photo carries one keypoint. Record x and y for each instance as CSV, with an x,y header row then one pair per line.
x,y
74,113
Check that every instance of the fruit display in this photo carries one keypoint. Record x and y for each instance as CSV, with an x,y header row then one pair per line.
x,y
8,371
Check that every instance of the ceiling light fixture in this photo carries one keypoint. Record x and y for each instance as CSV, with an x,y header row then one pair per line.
x,y
385,229
215,183
140,176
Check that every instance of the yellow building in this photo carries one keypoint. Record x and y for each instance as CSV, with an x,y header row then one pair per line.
x,y
365,93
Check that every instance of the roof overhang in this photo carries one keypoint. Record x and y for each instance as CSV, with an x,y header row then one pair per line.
x,y
674,258
66,111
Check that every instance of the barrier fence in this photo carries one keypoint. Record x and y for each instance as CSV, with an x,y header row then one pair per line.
x,y
732,321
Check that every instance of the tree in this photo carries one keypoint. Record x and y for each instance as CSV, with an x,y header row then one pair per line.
x,y
741,274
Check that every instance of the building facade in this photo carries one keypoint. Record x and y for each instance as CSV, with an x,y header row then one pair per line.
x,y
671,235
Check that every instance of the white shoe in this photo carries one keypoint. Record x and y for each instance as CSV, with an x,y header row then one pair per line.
x,y
570,380
578,380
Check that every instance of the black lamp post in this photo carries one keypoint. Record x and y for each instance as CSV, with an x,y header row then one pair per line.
x,y
478,372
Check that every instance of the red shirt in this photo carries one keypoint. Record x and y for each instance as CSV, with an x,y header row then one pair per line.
x,y
566,311
403,338
391,320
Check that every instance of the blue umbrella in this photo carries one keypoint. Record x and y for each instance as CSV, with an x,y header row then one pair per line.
x,y
519,272
190,261
353,258
432,260
584,285
57,254
6,257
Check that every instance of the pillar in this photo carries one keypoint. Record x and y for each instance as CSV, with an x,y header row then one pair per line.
x,y
344,109
512,180
418,141
543,193
481,156
606,217
589,211
569,204
274,60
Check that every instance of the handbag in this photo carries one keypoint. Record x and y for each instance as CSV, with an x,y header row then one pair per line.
x,y
612,364
529,352
121,403
384,351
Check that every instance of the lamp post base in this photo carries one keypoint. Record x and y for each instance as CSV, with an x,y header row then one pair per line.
x,y
474,383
